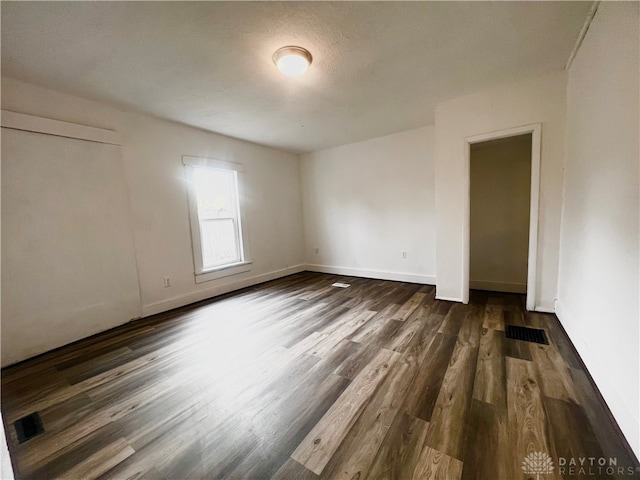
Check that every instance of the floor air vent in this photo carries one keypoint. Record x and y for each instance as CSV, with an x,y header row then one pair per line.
x,y
29,427
526,334
341,285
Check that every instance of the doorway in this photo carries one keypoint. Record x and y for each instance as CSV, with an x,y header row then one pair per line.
x,y
499,189
501,234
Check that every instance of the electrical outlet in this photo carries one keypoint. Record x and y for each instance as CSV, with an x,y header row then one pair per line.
x,y
317,250
167,282
404,255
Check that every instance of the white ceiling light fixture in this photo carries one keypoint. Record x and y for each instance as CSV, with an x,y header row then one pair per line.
x,y
292,61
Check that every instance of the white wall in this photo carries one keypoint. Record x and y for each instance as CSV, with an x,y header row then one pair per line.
x,y
598,294
6,469
500,174
154,175
68,259
536,100
152,155
365,203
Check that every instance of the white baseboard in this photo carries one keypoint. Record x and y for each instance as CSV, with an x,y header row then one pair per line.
x,y
449,299
628,422
215,290
377,274
544,307
498,286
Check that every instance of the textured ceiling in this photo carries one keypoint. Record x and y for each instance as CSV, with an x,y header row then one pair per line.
x,y
378,67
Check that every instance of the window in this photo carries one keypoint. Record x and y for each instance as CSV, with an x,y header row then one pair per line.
x,y
215,207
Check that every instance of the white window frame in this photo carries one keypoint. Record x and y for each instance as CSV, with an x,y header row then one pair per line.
x,y
245,264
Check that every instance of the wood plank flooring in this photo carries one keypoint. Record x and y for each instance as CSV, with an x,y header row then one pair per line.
x,y
297,379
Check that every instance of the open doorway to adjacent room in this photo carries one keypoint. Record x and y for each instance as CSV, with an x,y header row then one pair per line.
x,y
503,211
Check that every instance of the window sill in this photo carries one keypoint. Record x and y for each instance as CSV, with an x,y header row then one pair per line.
x,y
224,271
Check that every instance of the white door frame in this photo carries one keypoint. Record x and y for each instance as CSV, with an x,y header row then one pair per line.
x,y
535,130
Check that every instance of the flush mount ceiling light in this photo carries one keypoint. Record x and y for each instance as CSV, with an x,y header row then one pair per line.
x,y
292,61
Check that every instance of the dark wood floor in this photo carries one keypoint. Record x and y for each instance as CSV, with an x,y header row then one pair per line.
x,y
296,379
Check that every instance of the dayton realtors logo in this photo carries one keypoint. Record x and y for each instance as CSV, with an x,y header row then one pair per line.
x,y
537,463
593,466
540,463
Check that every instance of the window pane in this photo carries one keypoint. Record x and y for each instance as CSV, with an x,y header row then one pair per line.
x,y
219,242
216,193
217,200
